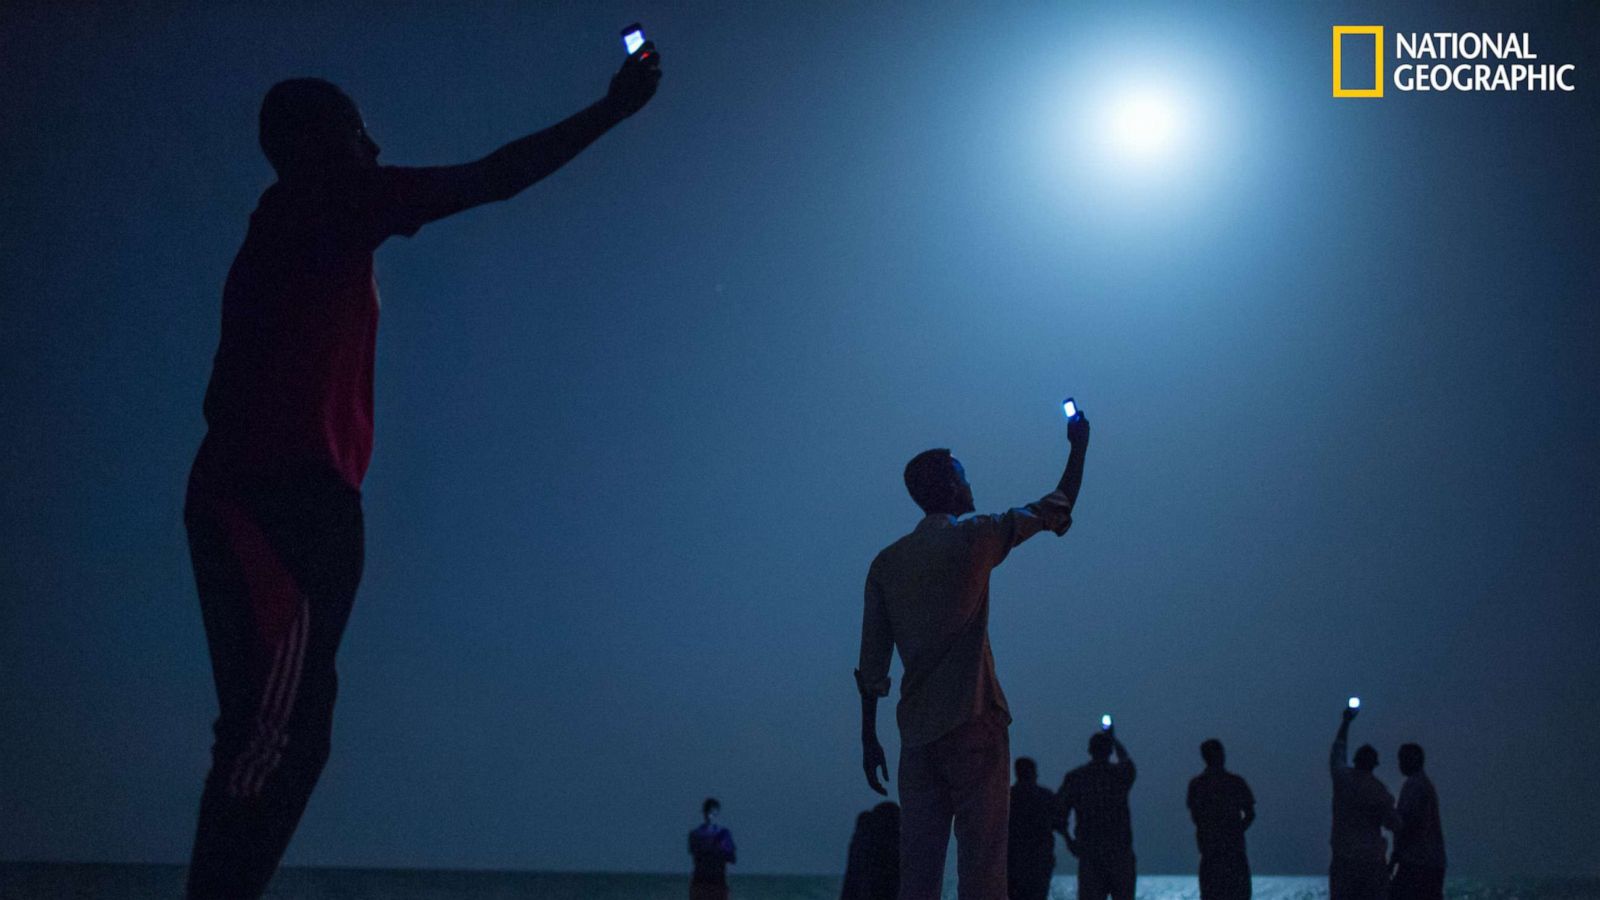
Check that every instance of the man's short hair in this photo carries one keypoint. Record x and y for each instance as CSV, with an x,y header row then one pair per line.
x,y
293,109
710,804
928,477
1100,745
1027,769
1366,758
1211,751
1411,757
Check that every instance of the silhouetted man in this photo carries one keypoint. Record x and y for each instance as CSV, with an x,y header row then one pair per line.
x,y
872,870
1222,807
928,595
712,848
1361,807
1031,843
1418,858
1097,793
274,497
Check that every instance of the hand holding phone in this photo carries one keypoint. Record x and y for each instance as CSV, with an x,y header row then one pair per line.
x,y
1077,422
635,83
633,38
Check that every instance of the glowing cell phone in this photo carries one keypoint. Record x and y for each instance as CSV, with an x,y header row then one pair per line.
x,y
633,38
1070,407
1355,702
1105,720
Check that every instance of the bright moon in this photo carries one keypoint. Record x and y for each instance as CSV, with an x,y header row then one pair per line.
x,y
1145,123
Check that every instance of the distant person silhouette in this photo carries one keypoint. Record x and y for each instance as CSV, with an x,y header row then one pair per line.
x,y
927,594
1031,844
273,509
1418,860
872,870
1096,793
712,848
1361,807
1222,807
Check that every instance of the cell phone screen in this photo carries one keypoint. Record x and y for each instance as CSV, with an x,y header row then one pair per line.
x,y
632,39
1070,407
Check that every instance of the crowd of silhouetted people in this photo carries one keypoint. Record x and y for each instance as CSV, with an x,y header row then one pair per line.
x,y
1090,811
927,599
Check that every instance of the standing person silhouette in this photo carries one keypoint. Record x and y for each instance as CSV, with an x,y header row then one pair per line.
x,y
1418,860
273,508
711,847
1361,807
1031,841
1222,807
927,594
1097,793
872,868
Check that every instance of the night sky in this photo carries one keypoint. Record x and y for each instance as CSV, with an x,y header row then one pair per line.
x,y
640,429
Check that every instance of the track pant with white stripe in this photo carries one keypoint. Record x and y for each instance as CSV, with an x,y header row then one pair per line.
x,y
277,559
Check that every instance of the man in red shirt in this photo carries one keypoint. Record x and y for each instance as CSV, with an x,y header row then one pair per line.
x,y
274,498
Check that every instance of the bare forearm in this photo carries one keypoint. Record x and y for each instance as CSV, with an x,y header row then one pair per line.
x,y
519,164
869,718
1072,476
1338,757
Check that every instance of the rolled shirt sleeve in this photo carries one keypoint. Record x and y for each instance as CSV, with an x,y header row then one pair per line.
x,y
877,642
995,535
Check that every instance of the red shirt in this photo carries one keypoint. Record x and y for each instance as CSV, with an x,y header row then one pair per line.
x,y
291,383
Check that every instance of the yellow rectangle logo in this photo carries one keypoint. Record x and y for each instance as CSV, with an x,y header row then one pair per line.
x,y
1339,31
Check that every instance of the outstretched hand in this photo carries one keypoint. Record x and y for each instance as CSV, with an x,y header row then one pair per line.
x,y
1350,713
1078,429
873,761
635,83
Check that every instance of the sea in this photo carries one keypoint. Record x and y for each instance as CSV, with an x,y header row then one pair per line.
x,y
72,881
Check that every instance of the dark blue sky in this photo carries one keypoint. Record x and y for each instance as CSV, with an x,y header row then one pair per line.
x,y
640,430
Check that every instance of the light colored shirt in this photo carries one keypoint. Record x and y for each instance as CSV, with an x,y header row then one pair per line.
x,y
927,594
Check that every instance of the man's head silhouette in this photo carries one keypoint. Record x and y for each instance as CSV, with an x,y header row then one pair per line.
x,y
1027,770
938,483
1411,758
1211,751
710,808
1366,758
310,127
1100,745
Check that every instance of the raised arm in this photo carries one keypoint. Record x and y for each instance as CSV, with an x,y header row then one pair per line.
x,y
1339,756
872,681
994,536
1072,478
1124,761
412,197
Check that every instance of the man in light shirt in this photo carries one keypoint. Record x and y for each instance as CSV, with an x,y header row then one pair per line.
x,y
927,594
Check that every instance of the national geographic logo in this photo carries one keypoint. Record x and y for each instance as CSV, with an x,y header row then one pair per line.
x,y
1462,61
